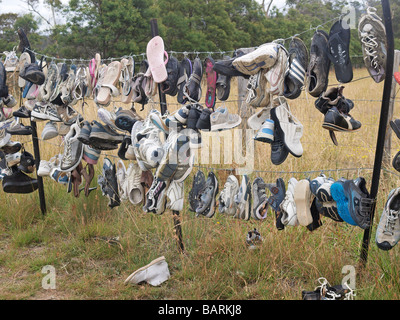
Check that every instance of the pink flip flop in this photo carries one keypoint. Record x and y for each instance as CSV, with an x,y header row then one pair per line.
x,y
211,77
397,76
92,72
155,56
108,85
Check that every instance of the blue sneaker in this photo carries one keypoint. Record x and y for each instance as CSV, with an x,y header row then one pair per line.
x,y
278,193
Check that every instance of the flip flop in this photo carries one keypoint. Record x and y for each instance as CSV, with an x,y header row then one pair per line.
x,y
339,53
157,65
108,85
211,77
76,179
126,77
88,175
397,76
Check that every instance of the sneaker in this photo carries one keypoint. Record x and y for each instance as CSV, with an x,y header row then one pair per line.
x,y
125,119
290,129
169,86
4,137
19,182
68,115
318,67
27,162
223,85
103,133
327,292
90,155
45,112
259,199
175,196
316,217
19,130
84,134
266,132
221,119
295,76
155,273
49,131
108,183
13,159
328,209
46,167
182,114
288,205
256,120
276,75
253,238
206,206
257,93
336,120
11,147
303,198
22,112
278,193
121,179
372,34
279,151
199,183
156,197
185,70
133,188
193,116
192,89
11,61
9,101
388,231
3,81
204,122
243,199
73,150
264,57
226,203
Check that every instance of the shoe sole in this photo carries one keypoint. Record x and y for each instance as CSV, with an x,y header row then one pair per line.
x,y
42,116
342,201
302,196
330,126
20,187
160,259
101,136
224,126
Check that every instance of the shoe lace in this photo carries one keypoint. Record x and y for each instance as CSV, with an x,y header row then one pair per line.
x,y
370,45
67,158
251,86
391,221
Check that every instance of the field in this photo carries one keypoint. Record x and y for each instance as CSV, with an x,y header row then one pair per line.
x,y
217,264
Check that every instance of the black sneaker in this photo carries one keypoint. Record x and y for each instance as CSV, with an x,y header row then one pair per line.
x,y
22,112
108,183
336,120
19,182
199,182
279,151
207,197
3,81
193,116
318,67
204,122
315,216
328,209
27,163
20,130
32,73
193,85
24,44
185,70
169,86
298,60
278,193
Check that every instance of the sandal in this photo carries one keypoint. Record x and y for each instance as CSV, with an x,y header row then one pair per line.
x,y
211,77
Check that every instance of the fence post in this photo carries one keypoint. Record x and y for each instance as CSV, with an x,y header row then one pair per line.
x,y
382,125
163,107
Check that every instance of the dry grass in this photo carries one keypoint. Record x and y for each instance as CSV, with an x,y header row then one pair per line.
x,y
217,264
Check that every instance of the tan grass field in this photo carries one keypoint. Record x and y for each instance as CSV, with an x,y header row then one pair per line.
x,y
217,263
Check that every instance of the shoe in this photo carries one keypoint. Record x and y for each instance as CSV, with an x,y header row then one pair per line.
x,y
303,198
192,89
259,199
388,230
226,203
124,147
169,86
395,125
316,217
27,162
327,292
253,238
90,155
223,85
46,167
278,193
175,196
289,128
211,77
103,133
185,70
204,121
31,72
121,179
206,206
22,112
19,130
68,115
221,119
264,57
336,120
133,187
257,93
9,101
226,68
108,183
318,67
199,183
11,147
372,34
338,51
156,197
298,62
13,159
3,81
125,119
328,209
288,205
49,131
396,161
279,151
353,202
243,199
182,114
73,150
45,112
155,273
193,117
19,182
276,75
256,120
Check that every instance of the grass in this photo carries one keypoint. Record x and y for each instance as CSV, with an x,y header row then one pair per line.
x,y
216,264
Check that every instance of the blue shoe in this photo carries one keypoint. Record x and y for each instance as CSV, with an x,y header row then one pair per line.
x,y
342,201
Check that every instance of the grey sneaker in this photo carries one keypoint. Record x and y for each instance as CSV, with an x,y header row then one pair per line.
x,y
108,183
225,199
388,231
73,150
372,34
243,199
101,133
259,196
221,119
206,205
45,112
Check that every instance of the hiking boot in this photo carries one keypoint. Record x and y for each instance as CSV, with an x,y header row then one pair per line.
x,y
243,199
221,119
298,60
288,205
318,67
226,201
264,57
259,199
73,150
206,206
199,182
388,231
372,34
338,51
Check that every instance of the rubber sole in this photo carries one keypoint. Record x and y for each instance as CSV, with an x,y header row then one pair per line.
x,y
302,198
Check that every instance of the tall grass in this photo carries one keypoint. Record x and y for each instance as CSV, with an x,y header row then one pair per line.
x,y
217,264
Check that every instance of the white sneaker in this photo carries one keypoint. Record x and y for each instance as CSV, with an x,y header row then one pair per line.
x,y
45,167
276,75
288,205
13,158
73,150
175,196
242,199
155,273
291,129
133,188
256,120
226,198
264,57
121,179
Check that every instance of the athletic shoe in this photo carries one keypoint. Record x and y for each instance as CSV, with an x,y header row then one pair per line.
x,y
19,182
108,183
125,119
316,217
259,199
264,57
155,273
204,121
289,128
318,67
133,187
156,197
169,86
253,238
192,88
257,94
13,159
182,114
226,201
221,119
372,34
46,167
303,198
22,112
256,120
278,193
73,150
11,147
288,205
185,70
90,155
266,132
19,130
45,112
27,162
49,131
103,133
193,116
68,115
175,196
9,101
327,292
199,183
206,206
336,120
388,231
328,209
121,179
279,151
84,134
243,199
295,77
276,74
